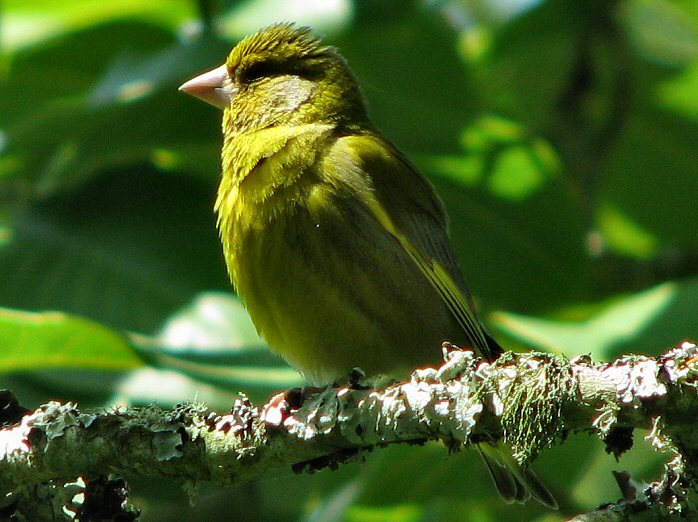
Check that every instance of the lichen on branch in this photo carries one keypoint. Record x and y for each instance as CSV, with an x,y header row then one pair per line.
x,y
530,400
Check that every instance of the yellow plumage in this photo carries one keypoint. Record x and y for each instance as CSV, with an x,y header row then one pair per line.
x,y
315,251
334,241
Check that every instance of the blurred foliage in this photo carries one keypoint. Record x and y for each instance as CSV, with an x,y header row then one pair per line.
x,y
562,135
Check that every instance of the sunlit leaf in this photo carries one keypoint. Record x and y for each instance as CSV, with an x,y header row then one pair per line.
x,y
213,339
677,93
624,236
26,24
661,30
647,322
32,341
247,16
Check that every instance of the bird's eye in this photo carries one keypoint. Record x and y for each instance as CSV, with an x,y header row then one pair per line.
x,y
265,69
256,71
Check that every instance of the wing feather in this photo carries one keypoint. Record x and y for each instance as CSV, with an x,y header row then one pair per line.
x,y
406,206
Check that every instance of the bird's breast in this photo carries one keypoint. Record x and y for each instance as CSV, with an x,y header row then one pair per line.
x,y
325,284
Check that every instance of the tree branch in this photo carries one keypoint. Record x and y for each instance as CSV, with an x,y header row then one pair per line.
x,y
530,400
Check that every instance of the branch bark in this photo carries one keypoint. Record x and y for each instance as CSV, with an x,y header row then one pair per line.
x,y
531,401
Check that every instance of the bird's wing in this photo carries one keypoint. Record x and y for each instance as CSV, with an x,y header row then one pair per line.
x,y
407,207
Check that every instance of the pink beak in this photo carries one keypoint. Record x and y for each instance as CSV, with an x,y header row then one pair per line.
x,y
213,87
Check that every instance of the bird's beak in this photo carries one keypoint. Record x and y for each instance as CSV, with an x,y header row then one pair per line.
x,y
213,87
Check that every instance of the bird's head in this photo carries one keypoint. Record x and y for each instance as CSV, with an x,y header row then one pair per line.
x,y
281,75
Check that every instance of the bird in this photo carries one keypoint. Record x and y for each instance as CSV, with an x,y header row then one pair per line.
x,y
335,242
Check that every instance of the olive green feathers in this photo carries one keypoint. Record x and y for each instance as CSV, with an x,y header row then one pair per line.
x,y
334,241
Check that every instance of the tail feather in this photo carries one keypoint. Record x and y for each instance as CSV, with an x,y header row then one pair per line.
x,y
513,482
495,349
508,486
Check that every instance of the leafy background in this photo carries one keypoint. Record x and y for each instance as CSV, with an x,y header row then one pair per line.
x,y
562,135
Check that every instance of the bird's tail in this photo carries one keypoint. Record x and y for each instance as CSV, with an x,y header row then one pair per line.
x,y
514,482
494,349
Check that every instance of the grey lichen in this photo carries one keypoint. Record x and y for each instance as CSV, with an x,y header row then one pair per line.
x,y
530,400
433,404
166,445
56,418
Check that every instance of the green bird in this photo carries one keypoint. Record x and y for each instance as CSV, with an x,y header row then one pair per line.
x,y
334,241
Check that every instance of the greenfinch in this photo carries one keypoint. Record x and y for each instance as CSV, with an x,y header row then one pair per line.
x,y
334,241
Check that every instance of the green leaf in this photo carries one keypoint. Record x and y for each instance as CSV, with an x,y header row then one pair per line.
x,y
126,250
28,24
31,341
117,108
517,254
647,322
624,236
678,93
502,156
213,340
414,116
247,16
651,176
529,61
662,30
